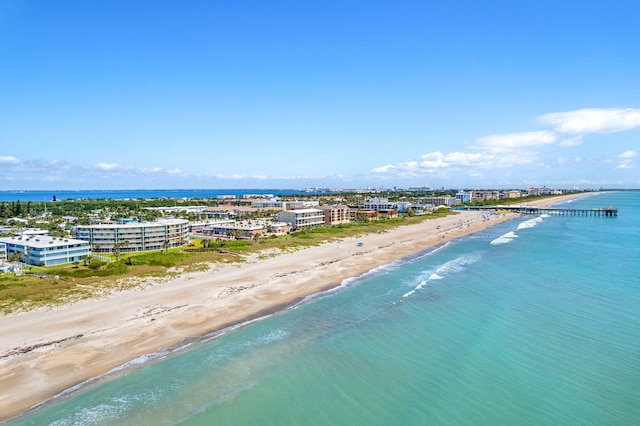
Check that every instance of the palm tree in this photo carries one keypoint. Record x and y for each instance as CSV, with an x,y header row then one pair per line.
x,y
117,247
15,256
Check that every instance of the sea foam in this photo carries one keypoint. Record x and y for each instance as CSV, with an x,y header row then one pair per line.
x,y
456,265
504,239
529,223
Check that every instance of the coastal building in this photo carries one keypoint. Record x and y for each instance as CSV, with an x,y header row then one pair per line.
x,y
406,207
479,196
463,196
197,228
244,229
45,250
261,196
307,204
229,211
269,204
378,204
3,252
335,214
197,210
512,194
361,215
30,232
387,214
278,227
440,201
131,237
302,218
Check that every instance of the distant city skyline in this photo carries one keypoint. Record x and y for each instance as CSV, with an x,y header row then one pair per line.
x,y
350,94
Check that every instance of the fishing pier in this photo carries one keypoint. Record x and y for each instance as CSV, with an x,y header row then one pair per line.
x,y
610,211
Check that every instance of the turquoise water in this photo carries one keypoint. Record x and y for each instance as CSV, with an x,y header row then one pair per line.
x,y
532,322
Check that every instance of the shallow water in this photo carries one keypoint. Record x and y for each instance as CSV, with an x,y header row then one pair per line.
x,y
534,321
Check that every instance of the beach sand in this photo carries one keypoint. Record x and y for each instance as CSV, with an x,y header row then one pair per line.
x,y
47,351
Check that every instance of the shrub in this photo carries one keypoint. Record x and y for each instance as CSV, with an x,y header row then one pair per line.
x,y
115,268
96,264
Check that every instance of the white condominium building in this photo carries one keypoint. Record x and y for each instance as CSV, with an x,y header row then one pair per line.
x,y
45,250
438,201
269,204
302,218
378,204
141,236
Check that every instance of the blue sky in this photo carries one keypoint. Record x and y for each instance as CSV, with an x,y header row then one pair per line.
x,y
343,94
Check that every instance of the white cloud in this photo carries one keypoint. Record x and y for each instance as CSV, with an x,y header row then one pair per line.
x,y
574,141
510,150
433,160
436,162
152,170
513,141
8,160
626,159
628,154
106,166
383,169
231,176
593,120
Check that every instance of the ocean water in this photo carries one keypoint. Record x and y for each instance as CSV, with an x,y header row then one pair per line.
x,y
533,322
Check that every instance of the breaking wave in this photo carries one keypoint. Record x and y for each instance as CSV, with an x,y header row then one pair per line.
x,y
504,239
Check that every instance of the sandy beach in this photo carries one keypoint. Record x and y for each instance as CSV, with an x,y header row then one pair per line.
x,y
47,351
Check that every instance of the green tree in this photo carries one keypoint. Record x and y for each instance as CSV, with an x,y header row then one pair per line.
x,y
16,256
117,248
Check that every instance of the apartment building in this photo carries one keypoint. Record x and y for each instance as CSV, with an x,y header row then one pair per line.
x,y
302,218
197,228
478,196
463,196
335,214
269,204
235,229
307,204
131,237
45,250
512,194
378,204
440,201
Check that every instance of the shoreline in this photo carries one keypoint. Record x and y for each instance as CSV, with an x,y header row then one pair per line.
x,y
51,353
